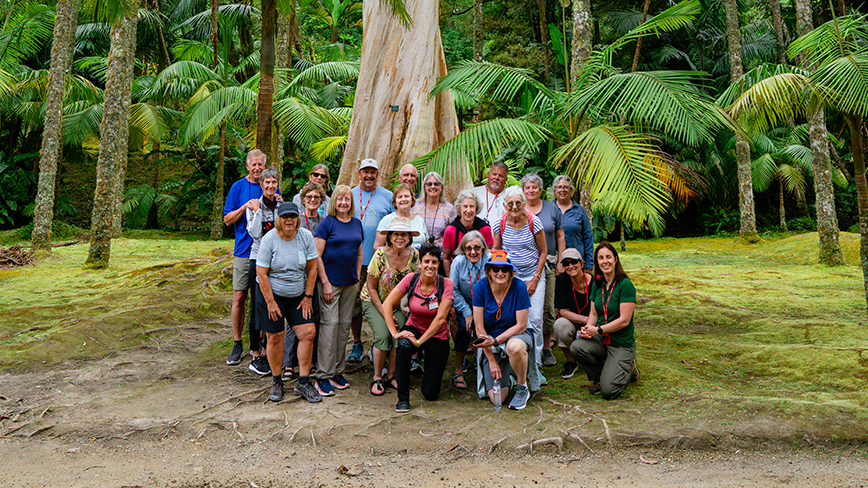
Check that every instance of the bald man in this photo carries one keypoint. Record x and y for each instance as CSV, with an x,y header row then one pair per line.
x,y
408,176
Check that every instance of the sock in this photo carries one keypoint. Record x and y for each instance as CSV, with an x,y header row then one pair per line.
x,y
276,380
239,343
303,380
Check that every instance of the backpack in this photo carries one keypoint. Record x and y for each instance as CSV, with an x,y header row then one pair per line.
x,y
529,221
440,285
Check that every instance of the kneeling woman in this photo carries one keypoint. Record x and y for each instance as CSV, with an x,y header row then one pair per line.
x,y
607,351
286,272
500,310
430,299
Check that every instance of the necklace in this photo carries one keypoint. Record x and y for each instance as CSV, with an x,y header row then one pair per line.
x,y
499,302
433,224
585,285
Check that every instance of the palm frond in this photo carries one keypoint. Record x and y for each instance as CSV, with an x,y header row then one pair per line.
x,y
793,179
832,40
763,144
399,10
664,100
763,171
772,101
844,83
25,32
328,148
754,76
476,147
229,105
489,80
317,74
303,123
110,11
800,155
80,121
621,169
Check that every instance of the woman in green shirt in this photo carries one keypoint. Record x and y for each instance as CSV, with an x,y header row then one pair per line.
x,y
606,347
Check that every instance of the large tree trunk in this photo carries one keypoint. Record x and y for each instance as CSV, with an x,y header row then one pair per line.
x,y
217,209
399,68
114,140
65,21
742,148
854,123
583,41
266,80
827,218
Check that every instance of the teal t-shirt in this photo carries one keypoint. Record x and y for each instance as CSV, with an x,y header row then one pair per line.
x,y
622,292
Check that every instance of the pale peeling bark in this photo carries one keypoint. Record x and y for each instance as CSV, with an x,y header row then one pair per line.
x,y
114,140
65,21
747,212
400,67
583,41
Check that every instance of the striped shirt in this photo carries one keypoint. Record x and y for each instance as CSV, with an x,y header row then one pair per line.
x,y
521,246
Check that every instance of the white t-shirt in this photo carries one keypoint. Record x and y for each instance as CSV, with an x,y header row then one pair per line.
x,y
490,205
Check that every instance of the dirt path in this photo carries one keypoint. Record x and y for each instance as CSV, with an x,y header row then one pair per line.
x,y
157,416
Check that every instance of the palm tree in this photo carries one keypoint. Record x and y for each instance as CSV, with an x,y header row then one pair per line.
x,y
839,82
781,156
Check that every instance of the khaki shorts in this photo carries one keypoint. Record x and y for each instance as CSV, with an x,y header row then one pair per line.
x,y
363,278
240,268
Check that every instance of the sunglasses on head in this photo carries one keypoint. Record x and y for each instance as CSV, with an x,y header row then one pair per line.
x,y
570,262
500,269
319,175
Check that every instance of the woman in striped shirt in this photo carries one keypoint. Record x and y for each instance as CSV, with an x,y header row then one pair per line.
x,y
522,236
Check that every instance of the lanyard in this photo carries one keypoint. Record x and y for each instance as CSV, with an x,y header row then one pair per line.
x,y
579,310
364,209
606,303
487,206
434,223
470,279
306,223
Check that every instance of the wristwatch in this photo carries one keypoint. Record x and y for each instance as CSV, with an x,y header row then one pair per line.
x,y
496,344
600,330
308,296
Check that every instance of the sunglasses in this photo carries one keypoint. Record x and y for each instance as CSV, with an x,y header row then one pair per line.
x,y
432,183
500,269
570,262
320,175
473,248
313,198
514,204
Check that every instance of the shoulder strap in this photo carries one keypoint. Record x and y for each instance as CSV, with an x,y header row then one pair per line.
x,y
441,283
529,221
413,281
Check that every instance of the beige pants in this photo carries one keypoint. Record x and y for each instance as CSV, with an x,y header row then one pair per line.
x,y
565,332
334,331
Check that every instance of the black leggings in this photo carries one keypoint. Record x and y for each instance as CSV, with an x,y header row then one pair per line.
x,y
436,355
252,293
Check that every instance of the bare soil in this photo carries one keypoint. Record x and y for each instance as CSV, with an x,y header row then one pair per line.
x,y
159,415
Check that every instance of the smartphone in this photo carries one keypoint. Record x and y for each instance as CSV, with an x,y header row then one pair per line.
x,y
477,342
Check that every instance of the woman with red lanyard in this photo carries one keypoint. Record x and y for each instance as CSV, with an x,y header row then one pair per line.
x,y
467,269
606,346
573,303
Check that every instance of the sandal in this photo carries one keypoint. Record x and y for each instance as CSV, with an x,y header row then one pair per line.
x,y
460,384
392,383
378,384
287,375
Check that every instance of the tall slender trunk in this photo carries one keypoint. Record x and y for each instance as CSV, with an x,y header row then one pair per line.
x,y
65,21
778,23
399,67
543,35
781,209
583,41
478,40
283,55
217,209
639,41
264,119
215,32
747,212
114,141
854,123
842,8
152,221
829,251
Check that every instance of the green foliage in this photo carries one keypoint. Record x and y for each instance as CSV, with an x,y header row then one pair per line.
x,y
720,221
59,230
802,224
16,187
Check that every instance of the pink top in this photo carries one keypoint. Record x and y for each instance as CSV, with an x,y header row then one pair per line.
x,y
452,237
421,314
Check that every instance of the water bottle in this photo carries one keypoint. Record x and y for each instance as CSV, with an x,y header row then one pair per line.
x,y
495,393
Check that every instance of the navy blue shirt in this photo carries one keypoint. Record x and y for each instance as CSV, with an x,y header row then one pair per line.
x,y
578,233
241,192
342,241
516,299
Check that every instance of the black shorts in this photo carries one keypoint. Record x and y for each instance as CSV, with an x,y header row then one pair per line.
x,y
288,308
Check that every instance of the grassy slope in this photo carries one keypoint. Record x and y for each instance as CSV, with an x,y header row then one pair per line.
x,y
728,335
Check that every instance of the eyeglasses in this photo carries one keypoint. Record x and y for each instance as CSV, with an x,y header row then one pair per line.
x,y
320,175
500,269
562,188
514,204
313,198
473,248
570,262
433,183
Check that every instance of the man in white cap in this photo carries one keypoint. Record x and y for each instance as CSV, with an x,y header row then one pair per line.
x,y
373,202
491,195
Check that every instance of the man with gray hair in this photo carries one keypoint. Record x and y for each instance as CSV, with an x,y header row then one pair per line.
x,y
490,196
244,193
408,176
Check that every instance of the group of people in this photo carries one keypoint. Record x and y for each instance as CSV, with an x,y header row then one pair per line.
x,y
502,272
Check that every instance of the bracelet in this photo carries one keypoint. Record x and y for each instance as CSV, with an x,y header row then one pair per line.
x,y
496,344
308,296
417,342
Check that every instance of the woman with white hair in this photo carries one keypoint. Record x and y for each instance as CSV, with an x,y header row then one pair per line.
x,y
433,208
522,235
467,206
578,232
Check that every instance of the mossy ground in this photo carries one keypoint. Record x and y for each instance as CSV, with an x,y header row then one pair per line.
x,y
753,340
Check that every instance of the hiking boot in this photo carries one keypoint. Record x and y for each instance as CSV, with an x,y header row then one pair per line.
x,y
338,381
519,400
548,358
402,407
236,354
569,370
356,353
324,387
276,394
308,391
259,365
595,388
634,372
416,366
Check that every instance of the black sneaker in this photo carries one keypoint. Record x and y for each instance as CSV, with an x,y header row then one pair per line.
x,y
276,394
416,366
595,388
259,365
308,391
634,372
569,370
236,354
402,407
